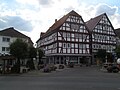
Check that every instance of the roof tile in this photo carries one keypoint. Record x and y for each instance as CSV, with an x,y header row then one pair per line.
x,y
93,22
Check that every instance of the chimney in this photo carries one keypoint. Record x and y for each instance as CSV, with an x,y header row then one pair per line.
x,y
55,20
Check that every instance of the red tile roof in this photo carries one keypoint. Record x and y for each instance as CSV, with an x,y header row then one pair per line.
x,y
62,20
58,23
91,24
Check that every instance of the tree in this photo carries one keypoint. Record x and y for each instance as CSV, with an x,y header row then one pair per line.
x,y
110,57
19,50
40,54
101,54
32,52
117,50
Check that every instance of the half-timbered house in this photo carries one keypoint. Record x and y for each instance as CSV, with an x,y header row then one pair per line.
x,y
67,40
102,34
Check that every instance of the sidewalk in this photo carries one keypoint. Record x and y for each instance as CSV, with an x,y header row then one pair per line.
x,y
40,72
34,73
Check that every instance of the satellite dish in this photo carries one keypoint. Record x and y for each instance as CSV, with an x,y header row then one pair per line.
x,y
118,60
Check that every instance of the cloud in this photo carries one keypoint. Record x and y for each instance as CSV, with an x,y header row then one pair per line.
x,y
115,19
104,8
69,9
45,2
15,21
8,5
28,2
111,11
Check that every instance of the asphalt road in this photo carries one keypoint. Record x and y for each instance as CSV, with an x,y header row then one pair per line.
x,y
80,78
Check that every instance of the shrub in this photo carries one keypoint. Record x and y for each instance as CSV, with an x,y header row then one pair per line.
x,y
53,68
47,69
40,66
71,65
113,69
61,66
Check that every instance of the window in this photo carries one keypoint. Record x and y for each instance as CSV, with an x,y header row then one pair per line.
x,y
64,34
80,45
68,45
5,39
72,45
74,26
76,45
64,45
5,48
68,35
72,35
76,35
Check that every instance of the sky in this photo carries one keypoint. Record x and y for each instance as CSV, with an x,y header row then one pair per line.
x,y
31,17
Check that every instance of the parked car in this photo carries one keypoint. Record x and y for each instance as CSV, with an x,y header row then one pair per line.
x,y
113,68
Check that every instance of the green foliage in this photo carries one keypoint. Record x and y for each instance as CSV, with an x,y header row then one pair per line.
x,y
117,50
109,57
30,64
101,54
41,54
32,52
19,48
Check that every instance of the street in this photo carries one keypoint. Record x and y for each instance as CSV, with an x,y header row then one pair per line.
x,y
78,78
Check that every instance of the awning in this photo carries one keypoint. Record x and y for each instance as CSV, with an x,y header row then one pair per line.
x,y
7,57
59,54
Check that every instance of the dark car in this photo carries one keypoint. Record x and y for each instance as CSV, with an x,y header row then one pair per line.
x,y
113,68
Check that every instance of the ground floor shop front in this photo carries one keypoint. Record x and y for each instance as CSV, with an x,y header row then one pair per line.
x,y
65,59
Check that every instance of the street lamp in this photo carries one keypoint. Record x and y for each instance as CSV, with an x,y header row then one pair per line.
x,y
106,59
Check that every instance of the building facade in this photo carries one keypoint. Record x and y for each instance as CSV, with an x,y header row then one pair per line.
x,y
71,40
67,40
7,36
103,35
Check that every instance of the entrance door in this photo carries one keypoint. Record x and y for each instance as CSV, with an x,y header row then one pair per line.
x,y
80,60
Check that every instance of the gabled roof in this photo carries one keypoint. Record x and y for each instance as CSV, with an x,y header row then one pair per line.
x,y
14,33
117,32
58,23
91,24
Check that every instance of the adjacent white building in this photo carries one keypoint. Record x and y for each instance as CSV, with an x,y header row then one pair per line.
x,y
9,35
